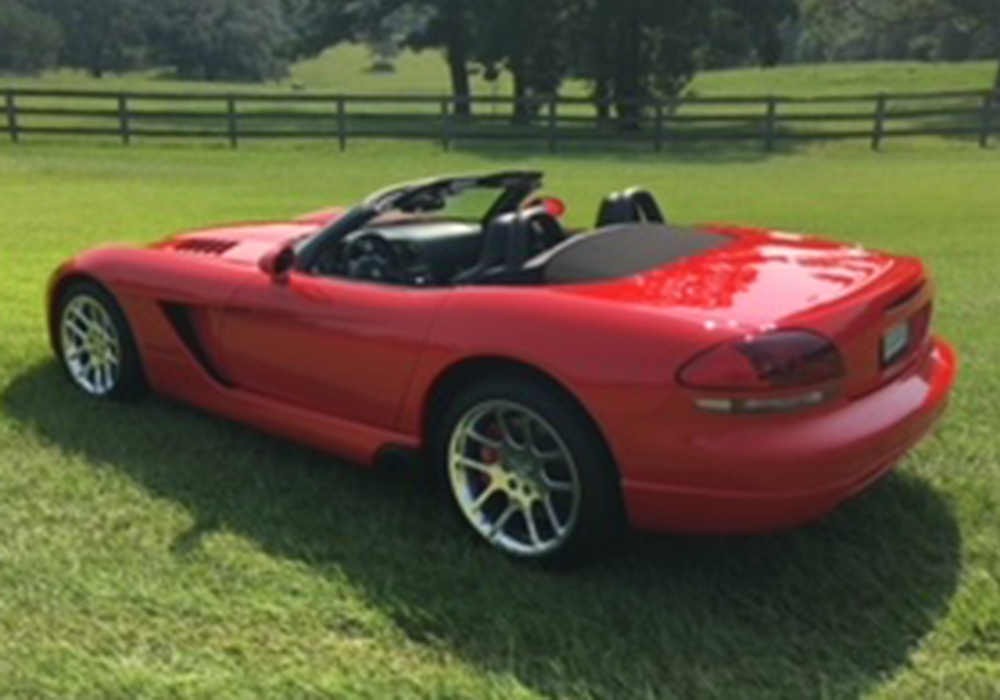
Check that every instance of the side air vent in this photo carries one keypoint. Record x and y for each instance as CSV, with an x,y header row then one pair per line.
x,y
205,246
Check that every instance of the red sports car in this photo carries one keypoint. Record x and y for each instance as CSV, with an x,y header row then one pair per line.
x,y
561,384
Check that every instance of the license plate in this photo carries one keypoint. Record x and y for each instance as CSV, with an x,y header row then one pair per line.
x,y
895,343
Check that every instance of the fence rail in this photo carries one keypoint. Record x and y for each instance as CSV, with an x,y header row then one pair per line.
x,y
234,118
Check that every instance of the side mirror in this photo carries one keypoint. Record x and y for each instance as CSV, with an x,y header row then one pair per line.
x,y
278,263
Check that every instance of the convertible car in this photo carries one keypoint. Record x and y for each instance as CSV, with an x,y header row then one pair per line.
x,y
562,385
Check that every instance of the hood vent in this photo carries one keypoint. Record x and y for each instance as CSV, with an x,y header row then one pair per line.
x,y
205,246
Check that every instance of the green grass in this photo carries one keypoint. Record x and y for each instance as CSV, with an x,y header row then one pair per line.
x,y
150,551
346,70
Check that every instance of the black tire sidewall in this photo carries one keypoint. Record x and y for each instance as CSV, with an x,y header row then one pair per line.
x,y
599,520
131,382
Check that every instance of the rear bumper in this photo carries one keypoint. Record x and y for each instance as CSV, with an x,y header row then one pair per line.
x,y
791,473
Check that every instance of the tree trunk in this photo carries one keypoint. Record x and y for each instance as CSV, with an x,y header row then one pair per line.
x,y
996,82
461,88
525,110
602,95
629,73
457,50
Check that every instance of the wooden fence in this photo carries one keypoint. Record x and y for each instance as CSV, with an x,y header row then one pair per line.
x,y
235,118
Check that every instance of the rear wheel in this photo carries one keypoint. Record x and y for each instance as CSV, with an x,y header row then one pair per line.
x,y
527,472
95,344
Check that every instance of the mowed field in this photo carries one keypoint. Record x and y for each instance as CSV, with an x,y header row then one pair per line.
x,y
346,70
150,551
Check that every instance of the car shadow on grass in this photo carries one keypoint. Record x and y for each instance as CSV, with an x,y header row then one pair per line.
x,y
827,611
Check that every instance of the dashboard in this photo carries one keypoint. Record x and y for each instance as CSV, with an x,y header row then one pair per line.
x,y
416,253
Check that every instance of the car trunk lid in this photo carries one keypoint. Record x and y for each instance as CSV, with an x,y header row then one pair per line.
x,y
875,307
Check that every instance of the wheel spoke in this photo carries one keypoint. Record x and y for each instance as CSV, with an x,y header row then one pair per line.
x,y
102,378
496,529
469,463
507,426
532,527
476,436
550,511
557,486
86,323
79,332
548,455
484,497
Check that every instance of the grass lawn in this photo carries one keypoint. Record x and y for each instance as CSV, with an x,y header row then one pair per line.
x,y
150,551
346,70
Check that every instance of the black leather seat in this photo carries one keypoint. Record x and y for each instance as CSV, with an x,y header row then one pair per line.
x,y
635,206
496,240
509,243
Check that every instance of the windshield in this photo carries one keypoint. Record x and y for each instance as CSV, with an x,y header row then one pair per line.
x,y
472,198
472,205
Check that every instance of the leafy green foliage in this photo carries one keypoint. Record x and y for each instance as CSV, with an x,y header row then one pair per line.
x,y
100,36
240,40
29,41
629,49
845,30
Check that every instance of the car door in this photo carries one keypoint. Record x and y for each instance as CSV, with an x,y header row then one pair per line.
x,y
340,347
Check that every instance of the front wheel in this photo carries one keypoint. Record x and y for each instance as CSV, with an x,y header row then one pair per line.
x,y
95,343
528,472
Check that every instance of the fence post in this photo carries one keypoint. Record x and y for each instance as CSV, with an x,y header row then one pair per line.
x,y
553,124
771,125
342,123
234,128
123,120
15,130
987,124
446,124
878,133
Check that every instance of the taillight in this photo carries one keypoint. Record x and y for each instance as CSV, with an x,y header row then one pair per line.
x,y
776,361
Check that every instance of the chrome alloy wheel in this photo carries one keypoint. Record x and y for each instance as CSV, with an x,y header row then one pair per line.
x,y
91,346
514,478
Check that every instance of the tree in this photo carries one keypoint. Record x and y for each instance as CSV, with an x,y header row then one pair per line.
x,y
629,49
981,14
534,52
244,40
99,36
633,50
29,41
450,26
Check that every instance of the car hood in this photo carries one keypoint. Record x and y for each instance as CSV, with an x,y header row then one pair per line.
x,y
246,243
760,277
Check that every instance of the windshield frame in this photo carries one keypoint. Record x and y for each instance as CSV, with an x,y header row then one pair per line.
x,y
514,188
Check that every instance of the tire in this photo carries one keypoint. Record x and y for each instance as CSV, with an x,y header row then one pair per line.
x,y
95,344
495,457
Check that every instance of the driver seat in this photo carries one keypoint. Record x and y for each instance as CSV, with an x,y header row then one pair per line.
x,y
502,241
508,244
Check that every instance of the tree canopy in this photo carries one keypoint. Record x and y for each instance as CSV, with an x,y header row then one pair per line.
x,y
627,51
99,36
29,40
223,39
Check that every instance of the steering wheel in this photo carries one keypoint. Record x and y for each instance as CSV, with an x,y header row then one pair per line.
x,y
371,256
